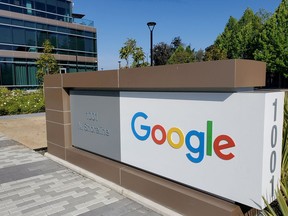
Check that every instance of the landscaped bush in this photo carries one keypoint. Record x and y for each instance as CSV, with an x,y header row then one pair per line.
x,y
21,102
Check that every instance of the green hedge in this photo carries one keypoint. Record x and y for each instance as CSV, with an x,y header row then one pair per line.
x,y
14,102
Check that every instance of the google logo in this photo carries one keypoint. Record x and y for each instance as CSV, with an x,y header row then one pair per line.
x,y
160,135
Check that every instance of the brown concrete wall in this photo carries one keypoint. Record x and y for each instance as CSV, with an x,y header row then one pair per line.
x,y
213,76
227,74
201,76
58,123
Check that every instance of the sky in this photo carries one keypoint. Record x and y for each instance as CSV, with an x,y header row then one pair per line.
x,y
196,22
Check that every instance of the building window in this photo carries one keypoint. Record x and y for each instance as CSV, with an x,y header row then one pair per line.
x,y
29,24
32,71
51,8
6,34
89,45
30,37
18,36
17,22
81,43
40,5
5,20
72,42
29,7
63,41
41,37
4,7
21,74
7,74
52,37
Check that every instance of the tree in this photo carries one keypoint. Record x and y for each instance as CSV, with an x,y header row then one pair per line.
x,y
214,53
239,37
182,55
46,64
127,50
130,50
176,42
199,55
249,27
162,53
226,42
273,41
139,58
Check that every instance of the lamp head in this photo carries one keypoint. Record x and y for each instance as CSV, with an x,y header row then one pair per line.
x,y
151,25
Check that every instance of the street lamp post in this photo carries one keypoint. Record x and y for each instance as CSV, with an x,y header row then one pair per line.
x,y
151,26
119,64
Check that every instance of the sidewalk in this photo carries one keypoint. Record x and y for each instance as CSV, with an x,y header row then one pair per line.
x,y
31,184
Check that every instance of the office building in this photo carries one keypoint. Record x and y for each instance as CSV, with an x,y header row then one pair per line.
x,y
26,24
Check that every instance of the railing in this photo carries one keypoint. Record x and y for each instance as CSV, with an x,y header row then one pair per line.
x,y
45,14
83,22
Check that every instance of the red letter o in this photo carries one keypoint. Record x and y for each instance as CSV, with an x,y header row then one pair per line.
x,y
153,133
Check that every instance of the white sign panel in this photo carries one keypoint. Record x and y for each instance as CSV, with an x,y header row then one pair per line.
x,y
228,144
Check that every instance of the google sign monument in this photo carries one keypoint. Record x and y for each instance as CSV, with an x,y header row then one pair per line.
x,y
197,138
225,144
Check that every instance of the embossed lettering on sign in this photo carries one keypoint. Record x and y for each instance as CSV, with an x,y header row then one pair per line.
x,y
92,124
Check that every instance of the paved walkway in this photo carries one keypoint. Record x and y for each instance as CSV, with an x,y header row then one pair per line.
x,y
31,184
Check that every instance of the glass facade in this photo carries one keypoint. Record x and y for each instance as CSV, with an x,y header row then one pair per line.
x,y
51,9
22,72
26,36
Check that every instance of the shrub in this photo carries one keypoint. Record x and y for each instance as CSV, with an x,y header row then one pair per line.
x,y
21,102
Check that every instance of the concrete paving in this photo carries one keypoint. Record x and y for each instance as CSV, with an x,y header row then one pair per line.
x,y
31,184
